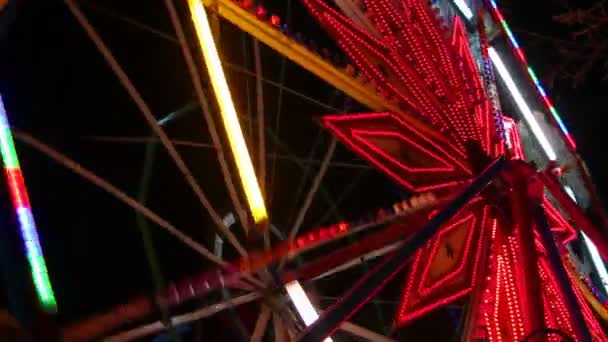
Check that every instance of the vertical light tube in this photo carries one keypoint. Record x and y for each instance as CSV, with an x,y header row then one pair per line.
x,y
521,104
300,300
228,112
23,210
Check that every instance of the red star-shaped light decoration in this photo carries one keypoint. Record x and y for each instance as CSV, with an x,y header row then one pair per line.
x,y
429,73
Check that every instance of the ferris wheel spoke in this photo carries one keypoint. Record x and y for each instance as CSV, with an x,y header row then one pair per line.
x,y
282,88
259,87
149,329
358,261
333,209
365,333
127,20
306,171
238,68
302,162
119,194
261,324
279,108
280,333
313,189
204,103
152,122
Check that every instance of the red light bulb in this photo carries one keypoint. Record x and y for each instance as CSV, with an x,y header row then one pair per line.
x,y
260,12
323,233
311,237
248,4
275,20
301,241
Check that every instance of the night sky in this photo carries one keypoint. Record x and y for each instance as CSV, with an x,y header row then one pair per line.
x,y
56,86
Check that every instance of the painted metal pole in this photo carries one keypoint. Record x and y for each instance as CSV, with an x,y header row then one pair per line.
x,y
565,287
527,279
362,291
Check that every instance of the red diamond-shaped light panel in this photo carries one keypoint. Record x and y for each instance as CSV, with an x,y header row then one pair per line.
x,y
431,74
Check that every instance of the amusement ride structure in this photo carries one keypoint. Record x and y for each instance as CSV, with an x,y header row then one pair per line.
x,y
495,187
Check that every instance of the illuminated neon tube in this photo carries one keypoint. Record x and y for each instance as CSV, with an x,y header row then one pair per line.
x,y
522,58
521,104
228,112
303,305
23,210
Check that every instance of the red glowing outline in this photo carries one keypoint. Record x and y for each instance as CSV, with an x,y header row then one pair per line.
x,y
359,134
461,262
403,317
359,116
329,122
559,224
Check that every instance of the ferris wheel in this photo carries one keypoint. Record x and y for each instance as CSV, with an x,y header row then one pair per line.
x,y
461,216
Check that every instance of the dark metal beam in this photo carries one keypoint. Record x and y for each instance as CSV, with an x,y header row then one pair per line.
x,y
354,299
565,287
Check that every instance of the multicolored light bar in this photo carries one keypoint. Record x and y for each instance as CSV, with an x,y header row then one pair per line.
x,y
24,214
228,112
522,59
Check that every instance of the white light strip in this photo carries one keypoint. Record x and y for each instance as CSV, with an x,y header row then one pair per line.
x,y
597,261
570,193
302,303
464,8
522,105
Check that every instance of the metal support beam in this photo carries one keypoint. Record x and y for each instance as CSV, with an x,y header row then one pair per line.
x,y
148,242
261,324
565,287
367,334
374,281
218,249
207,311
527,279
259,87
187,143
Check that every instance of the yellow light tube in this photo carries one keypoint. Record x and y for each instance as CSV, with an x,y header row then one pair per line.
x,y
228,112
